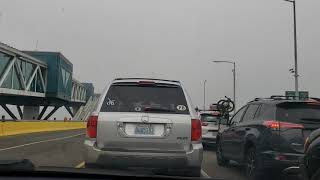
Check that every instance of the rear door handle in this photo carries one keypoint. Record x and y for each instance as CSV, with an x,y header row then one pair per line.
x,y
247,129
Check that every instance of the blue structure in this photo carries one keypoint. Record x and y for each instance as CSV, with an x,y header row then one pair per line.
x,y
33,79
89,90
59,73
21,74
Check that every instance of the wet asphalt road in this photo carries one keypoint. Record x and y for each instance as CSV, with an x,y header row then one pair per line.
x,y
65,148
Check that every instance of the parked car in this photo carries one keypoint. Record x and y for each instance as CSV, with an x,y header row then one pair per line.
x,y
210,126
148,123
310,163
267,135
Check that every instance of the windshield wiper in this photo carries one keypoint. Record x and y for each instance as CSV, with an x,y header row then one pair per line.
x,y
16,165
154,109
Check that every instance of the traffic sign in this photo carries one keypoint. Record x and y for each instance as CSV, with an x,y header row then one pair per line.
x,y
303,95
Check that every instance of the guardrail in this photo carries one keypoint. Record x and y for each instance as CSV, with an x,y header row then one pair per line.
x,y
23,127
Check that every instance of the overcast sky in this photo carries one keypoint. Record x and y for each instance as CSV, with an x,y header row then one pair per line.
x,y
174,39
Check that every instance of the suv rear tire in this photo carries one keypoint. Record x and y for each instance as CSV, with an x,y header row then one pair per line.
x,y
220,159
251,165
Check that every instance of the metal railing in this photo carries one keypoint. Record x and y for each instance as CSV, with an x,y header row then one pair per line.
x,y
85,111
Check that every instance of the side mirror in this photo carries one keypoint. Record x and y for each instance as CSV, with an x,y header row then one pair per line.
x,y
197,109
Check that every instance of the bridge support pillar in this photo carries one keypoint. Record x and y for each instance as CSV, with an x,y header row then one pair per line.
x,y
42,112
75,109
9,112
50,114
31,112
69,111
20,112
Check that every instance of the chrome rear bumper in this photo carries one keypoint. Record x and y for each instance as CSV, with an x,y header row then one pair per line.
x,y
190,159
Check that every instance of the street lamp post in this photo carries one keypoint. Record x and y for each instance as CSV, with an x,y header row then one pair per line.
x,y
204,94
234,80
296,75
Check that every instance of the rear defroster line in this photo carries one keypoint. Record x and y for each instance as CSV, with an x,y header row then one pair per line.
x,y
38,142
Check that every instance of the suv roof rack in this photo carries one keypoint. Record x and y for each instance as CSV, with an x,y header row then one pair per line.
x,y
292,98
258,99
276,97
280,97
148,79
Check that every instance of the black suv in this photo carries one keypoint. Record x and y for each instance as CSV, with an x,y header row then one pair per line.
x,y
268,134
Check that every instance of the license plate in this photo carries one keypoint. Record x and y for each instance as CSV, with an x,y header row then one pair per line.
x,y
144,129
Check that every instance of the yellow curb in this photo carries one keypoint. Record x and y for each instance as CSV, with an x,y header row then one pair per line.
x,y
23,127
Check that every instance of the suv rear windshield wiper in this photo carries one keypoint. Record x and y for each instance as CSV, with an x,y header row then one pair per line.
x,y
154,109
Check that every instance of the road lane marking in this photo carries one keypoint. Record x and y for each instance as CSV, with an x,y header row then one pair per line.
x,y
204,174
81,165
38,142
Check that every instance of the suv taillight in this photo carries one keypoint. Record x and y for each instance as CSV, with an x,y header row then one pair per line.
x,y
196,131
92,126
276,125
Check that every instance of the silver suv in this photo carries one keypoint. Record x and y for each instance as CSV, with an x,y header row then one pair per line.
x,y
145,123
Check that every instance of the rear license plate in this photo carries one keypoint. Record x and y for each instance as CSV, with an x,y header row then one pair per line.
x,y
144,129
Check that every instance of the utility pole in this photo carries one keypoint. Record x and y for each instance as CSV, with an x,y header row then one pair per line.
x,y
204,94
234,86
296,75
234,80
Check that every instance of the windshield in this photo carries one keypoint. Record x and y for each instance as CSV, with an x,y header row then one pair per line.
x,y
179,88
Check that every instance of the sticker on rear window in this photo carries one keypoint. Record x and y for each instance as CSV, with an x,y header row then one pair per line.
x,y
181,107
110,102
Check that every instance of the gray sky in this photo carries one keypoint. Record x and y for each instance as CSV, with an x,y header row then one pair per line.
x,y
174,39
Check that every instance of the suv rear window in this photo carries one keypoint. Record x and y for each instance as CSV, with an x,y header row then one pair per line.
x,y
155,98
301,113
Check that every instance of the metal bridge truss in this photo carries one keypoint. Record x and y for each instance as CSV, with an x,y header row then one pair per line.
x,y
23,82
78,93
21,74
78,98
